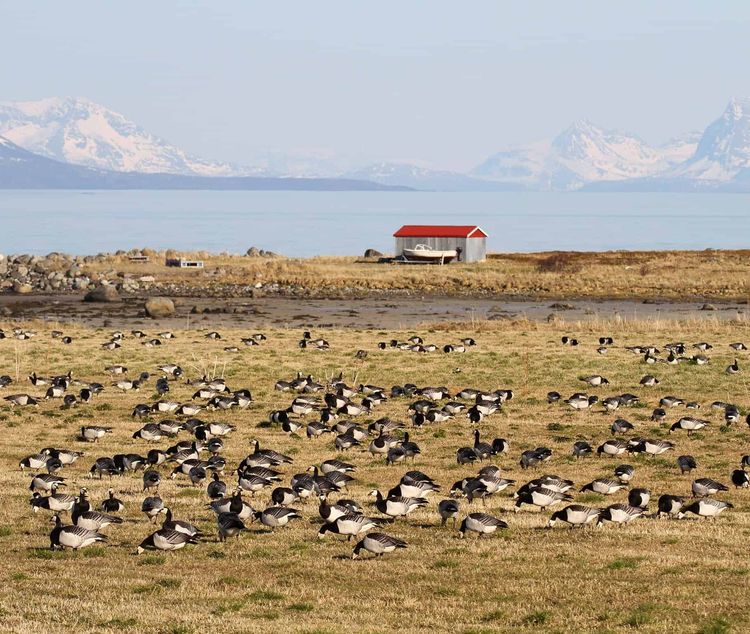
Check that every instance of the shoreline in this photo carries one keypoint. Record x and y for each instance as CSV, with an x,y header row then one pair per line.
x,y
361,312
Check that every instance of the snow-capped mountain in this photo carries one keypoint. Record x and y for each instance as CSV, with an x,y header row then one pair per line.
x,y
81,132
724,148
581,154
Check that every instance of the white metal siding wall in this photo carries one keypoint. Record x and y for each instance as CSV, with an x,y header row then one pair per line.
x,y
472,249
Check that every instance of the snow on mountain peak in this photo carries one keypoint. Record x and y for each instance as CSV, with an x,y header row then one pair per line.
x,y
77,130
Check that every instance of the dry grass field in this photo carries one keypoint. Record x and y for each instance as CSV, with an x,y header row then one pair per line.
x,y
648,274
686,575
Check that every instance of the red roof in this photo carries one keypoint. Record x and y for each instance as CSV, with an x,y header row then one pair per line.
x,y
440,231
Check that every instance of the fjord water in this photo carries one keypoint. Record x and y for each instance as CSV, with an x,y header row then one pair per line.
x,y
346,223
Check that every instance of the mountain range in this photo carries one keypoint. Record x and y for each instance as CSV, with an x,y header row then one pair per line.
x,y
73,141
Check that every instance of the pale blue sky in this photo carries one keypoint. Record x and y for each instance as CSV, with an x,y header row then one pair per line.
x,y
443,83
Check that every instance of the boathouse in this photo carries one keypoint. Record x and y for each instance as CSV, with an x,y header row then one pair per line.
x,y
469,241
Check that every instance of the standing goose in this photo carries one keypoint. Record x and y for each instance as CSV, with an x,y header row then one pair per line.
x,y
83,516
480,523
74,537
166,540
378,544
483,450
151,479
575,515
111,504
216,488
734,368
92,433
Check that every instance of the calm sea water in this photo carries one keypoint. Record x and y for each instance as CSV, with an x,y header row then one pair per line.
x,y
346,223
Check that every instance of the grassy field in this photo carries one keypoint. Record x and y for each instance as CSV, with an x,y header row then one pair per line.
x,y
647,274
652,576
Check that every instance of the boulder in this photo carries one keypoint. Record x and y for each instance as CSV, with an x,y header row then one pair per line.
x,y
159,307
102,293
373,253
253,252
21,288
3,264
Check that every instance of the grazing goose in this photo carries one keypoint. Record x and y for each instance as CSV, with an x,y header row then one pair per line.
x,y
448,509
671,401
542,497
56,502
396,506
686,463
689,424
738,346
111,504
22,400
604,486
581,448
216,488
253,484
621,426
350,525
533,457
166,540
639,498
649,380
651,447
46,482
658,415
378,544
229,525
151,479
73,537
179,525
152,506
575,515
624,473
611,403
671,506
336,465
745,462
104,466
620,514
480,523
466,455
276,516
581,401
741,479
594,380
409,488
34,461
92,433
703,487
707,507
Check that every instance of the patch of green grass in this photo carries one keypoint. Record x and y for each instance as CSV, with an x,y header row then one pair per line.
x,y
216,554
18,576
265,595
119,623
5,531
190,493
495,615
624,563
440,433
539,617
445,563
642,615
228,606
152,560
717,625
94,551
103,407
45,553
301,607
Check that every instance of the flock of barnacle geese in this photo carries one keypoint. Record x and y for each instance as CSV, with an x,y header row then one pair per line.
x,y
332,408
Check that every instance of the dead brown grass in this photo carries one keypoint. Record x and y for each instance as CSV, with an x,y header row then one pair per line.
x,y
720,275
653,576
